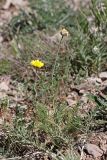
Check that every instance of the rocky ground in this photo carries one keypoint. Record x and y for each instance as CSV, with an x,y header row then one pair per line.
x,y
87,99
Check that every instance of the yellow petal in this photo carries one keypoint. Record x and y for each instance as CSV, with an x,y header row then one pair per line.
x,y
37,63
64,32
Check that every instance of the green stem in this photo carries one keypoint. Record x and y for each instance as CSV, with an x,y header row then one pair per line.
x,y
57,56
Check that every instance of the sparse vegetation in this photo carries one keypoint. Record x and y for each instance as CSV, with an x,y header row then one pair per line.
x,y
37,113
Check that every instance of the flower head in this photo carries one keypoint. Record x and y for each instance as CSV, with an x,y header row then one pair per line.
x,y
37,63
64,32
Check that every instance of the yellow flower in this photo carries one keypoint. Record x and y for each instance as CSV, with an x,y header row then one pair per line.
x,y
37,63
64,32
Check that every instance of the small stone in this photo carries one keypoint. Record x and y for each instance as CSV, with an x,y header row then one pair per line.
x,y
103,75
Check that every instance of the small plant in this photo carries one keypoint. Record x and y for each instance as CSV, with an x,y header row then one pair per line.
x,y
47,72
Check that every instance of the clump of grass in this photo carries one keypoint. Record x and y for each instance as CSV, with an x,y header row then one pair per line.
x,y
5,66
46,11
88,42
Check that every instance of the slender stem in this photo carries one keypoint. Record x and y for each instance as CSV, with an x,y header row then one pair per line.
x,y
57,56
